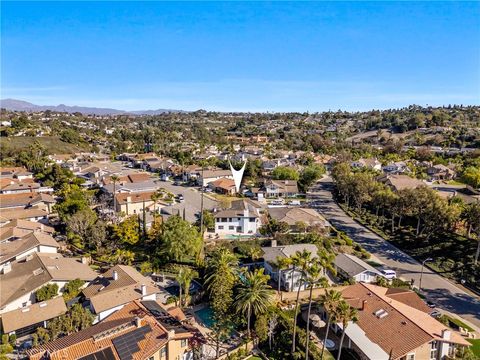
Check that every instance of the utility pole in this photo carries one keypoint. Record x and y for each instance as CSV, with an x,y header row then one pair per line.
x,y
421,273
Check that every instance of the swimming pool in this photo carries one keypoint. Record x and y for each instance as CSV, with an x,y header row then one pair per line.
x,y
206,316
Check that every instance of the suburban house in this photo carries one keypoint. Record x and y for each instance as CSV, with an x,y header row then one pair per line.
x,y
24,277
19,228
132,187
243,218
19,248
296,216
27,200
290,279
398,167
209,176
115,288
351,267
25,321
394,324
30,214
15,186
370,163
223,186
279,188
400,182
141,330
441,172
131,204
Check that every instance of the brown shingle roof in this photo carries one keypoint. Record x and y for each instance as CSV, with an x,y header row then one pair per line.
x,y
403,330
105,292
33,314
15,214
24,199
37,270
10,250
293,215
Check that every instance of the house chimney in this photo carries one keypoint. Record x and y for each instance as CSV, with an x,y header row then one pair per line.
x,y
129,199
446,334
115,275
273,243
85,260
7,268
144,290
138,322
364,303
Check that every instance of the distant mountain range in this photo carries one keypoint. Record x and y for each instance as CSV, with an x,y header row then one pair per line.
x,y
20,105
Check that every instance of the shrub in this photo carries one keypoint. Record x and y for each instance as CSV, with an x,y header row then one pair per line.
x,y
4,339
46,292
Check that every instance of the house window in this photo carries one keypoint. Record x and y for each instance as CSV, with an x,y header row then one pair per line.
x,y
224,220
410,357
252,219
163,352
183,343
231,227
230,219
434,351
220,227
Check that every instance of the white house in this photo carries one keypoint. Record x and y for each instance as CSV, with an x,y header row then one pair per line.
x,y
351,267
290,279
243,218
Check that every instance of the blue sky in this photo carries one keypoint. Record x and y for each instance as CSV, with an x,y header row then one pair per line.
x,y
249,56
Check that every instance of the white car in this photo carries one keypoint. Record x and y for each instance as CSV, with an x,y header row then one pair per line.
x,y
388,274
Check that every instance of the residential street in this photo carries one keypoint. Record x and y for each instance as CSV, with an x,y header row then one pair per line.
x,y
442,292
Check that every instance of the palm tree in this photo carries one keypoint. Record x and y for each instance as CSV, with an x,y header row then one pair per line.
x,y
301,260
345,314
255,253
329,301
114,179
254,295
282,264
155,197
184,279
314,277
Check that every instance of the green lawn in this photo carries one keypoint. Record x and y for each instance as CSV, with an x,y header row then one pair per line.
x,y
52,144
475,346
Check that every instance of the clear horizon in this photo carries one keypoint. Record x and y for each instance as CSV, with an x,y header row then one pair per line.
x,y
275,57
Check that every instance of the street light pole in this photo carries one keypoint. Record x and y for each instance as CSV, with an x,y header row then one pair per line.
x,y
421,273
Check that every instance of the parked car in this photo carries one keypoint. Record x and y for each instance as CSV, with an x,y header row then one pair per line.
x,y
180,198
177,183
294,202
436,314
388,274
430,304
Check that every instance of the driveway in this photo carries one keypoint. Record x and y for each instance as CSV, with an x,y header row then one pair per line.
x,y
192,201
441,291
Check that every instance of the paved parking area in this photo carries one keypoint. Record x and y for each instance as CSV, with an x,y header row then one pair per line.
x,y
191,204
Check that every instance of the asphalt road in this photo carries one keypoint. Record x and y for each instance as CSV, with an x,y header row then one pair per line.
x,y
192,201
441,291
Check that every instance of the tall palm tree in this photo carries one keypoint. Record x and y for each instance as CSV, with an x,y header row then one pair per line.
x,y
314,278
254,295
345,314
301,261
114,179
184,279
282,264
329,301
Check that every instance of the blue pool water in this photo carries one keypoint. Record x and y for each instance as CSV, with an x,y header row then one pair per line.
x,y
206,316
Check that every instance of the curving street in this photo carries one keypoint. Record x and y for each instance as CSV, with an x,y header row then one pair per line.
x,y
441,291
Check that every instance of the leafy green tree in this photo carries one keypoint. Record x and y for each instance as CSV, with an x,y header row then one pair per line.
x,y
72,289
471,175
46,292
72,199
261,327
221,277
208,220
184,279
274,227
285,173
127,232
254,295
310,175
180,241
